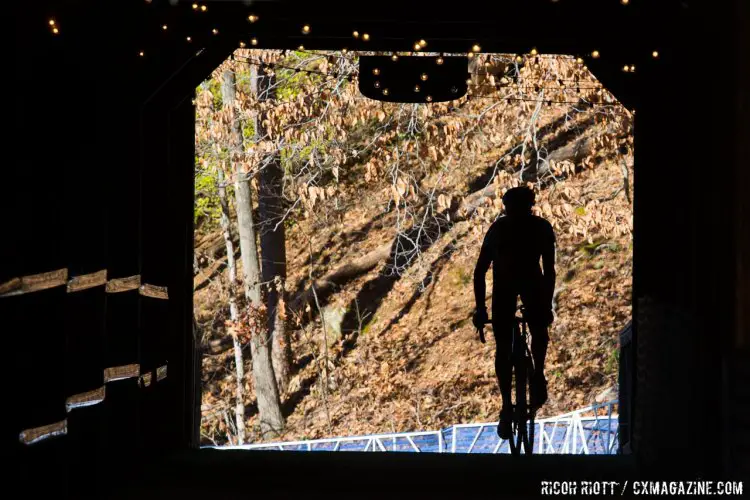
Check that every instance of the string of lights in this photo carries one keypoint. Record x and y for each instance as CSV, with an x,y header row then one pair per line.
x,y
417,46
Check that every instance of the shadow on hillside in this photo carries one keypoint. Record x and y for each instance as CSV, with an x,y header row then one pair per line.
x,y
436,268
294,399
404,249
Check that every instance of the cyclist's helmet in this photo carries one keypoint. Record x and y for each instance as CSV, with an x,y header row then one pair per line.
x,y
518,199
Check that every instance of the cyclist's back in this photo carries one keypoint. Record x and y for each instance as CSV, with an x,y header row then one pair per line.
x,y
516,244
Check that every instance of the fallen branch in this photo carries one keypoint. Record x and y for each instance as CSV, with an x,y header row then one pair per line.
x,y
343,274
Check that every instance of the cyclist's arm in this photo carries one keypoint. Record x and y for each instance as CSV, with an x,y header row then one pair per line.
x,y
480,271
548,264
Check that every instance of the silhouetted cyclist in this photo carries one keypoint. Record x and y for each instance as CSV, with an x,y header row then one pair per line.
x,y
513,245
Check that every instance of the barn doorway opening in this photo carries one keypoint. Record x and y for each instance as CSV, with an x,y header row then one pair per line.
x,y
336,238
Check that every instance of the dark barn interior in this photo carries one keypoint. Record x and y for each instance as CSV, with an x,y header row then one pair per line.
x,y
101,194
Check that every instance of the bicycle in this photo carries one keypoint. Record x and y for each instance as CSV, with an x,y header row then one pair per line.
x,y
523,373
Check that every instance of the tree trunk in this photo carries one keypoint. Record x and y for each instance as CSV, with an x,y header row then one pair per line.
x,y
273,266
273,250
227,232
266,390
239,409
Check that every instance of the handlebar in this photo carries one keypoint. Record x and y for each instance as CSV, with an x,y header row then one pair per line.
x,y
518,318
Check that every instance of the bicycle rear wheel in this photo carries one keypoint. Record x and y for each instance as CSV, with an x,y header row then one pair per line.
x,y
529,442
528,432
520,437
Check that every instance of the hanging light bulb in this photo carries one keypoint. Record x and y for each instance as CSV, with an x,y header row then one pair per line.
x,y
468,81
376,71
423,43
394,58
439,60
417,46
595,54
215,31
424,77
579,60
428,98
355,34
254,41
626,68
204,8
195,6
164,27
534,52
624,2
141,53
376,85
242,45
252,18
189,39
417,88
365,37
344,50
519,59
476,48
385,92
55,31
301,47
655,54
306,29
51,22
632,68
